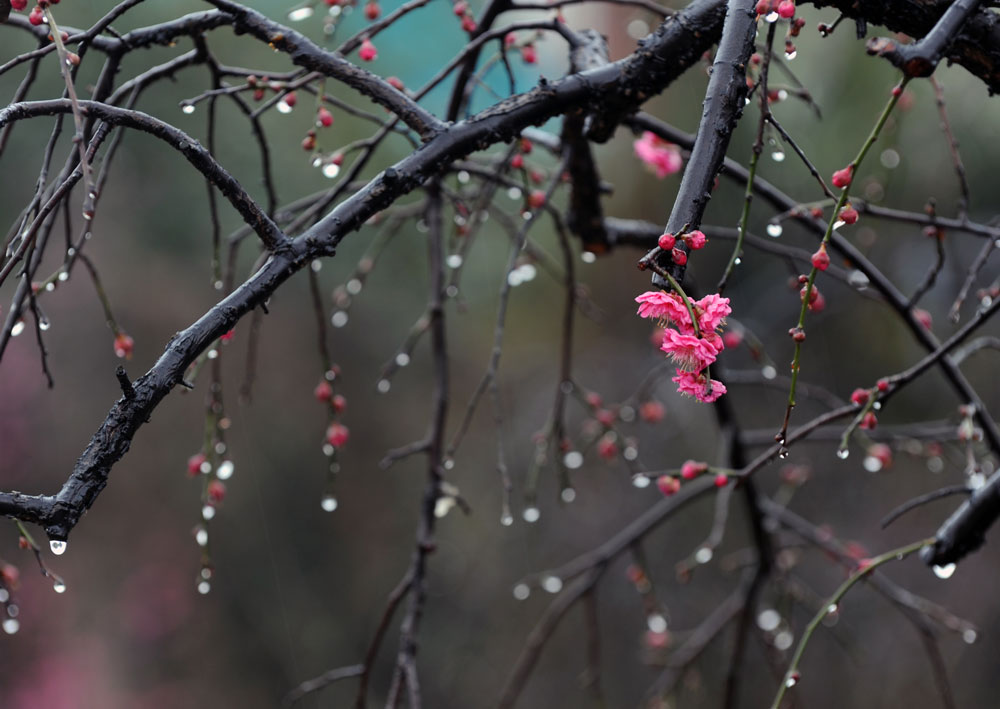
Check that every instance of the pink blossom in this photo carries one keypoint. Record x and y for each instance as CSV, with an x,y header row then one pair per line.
x,y
662,156
699,386
367,51
663,306
712,311
689,352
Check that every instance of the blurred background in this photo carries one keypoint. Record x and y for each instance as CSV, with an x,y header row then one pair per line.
x,y
297,590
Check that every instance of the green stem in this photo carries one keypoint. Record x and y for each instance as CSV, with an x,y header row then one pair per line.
x,y
844,194
792,675
684,297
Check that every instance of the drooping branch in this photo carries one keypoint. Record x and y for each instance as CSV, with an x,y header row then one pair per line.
x,y
724,102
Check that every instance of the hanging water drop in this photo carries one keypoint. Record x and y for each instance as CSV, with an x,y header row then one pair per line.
x,y
640,481
301,13
568,494
774,229
531,514
944,572
792,680
63,276
591,257
842,453
832,609
204,587
573,460
402,359
59,586
771,17
768,620
328,503
454,261
17,329
188,108
521,591
207,512
969,636
768,372
383,386
656,622
11,626
703,555
339,318
57,546
354,286
330,169
552,584
791,55
778,156
506,519
44,324
201,537
783,452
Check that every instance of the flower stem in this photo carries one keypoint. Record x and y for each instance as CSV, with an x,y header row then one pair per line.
x,y
841,201
792,675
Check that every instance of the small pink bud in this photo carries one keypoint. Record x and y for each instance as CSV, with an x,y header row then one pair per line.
x,y
849,215
668,484
194,463
666,241
337,434
324,117
367,52
651,411
821,259
842,178
124,346
679,257
216,492
323,391
695,240
372,10
786,9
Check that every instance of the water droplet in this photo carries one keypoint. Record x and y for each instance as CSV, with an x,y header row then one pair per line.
x,y
656,622
839,223
44,324
506,519
354,286
768,372
330,170
49,287
218,285
842,453
339,318
774,229
328,503
201,537
206,572
283,107
738,261
640,481
11,626
464,177
514,193
568,494
976,481
402,359
57,546
783,452
207,512
17,329
832,609
703,555
514,279
792,680
204,587
521,591
59,586
328,450
783,640
188,108
301,13
944,572
454,261
383,386
212,354
791,55
970,636
4,596
630,453
552,584
588,257
573,460
63,276
220,448
872,464
451,291
778,156
935,464
205,467
531,514
877,405
768,620
890,158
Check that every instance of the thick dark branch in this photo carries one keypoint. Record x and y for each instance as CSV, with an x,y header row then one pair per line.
x,y
197,155
305,53
724,101
584,218
921,58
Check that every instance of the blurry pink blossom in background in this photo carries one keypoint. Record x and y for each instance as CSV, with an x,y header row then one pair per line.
x,y
663,157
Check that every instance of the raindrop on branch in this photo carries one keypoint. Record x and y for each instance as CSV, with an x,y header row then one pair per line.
x,y
57,546
944,572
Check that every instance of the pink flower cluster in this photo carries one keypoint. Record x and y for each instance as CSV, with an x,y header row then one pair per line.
x,y
663,157
692,352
